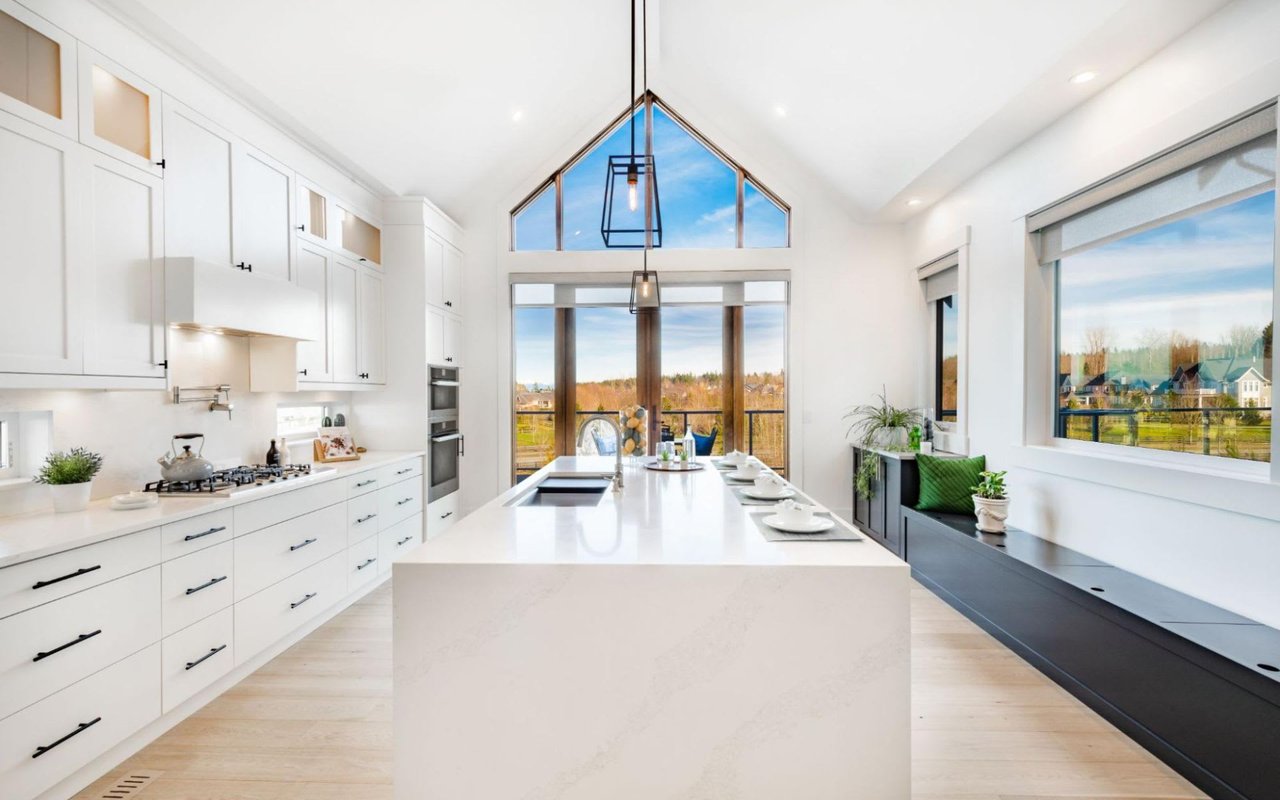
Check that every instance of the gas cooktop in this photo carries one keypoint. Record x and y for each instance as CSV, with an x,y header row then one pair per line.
x,y
226,482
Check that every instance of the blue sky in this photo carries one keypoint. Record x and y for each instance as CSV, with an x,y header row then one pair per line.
x,y
1200,276
696,190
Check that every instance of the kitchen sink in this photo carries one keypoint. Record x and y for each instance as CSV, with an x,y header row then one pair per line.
x,y
566,490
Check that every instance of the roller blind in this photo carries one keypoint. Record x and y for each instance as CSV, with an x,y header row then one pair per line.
x,y
1222,166
940,277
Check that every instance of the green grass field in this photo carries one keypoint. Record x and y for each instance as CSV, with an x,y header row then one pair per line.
x,y
1227,438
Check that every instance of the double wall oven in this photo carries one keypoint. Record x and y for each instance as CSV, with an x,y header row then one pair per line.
x,y
447,443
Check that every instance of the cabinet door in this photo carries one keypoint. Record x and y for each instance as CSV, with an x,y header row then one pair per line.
x,y
436,326
197,186
373,327
119,112
38,72
40,329
453,280
453,341
343,320
433,256
124,270
315,359
879,500
313,214
263,191
861,505
357,236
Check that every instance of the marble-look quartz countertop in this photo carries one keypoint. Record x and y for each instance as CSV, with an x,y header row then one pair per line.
x,y
658,518
905,455
29,536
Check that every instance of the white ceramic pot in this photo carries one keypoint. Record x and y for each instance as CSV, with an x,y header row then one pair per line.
x,y
991,514
891,438
69,497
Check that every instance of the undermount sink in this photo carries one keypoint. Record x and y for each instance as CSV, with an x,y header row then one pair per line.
x,y
566,490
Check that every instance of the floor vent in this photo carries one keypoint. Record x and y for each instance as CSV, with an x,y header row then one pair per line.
x,y
129,785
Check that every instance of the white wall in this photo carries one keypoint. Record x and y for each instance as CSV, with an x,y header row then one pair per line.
x,y
1225,66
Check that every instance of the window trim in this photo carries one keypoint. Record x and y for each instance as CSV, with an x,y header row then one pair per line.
x,y
956,439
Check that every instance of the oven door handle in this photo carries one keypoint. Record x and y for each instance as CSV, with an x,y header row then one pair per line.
x,y
446,437
449,384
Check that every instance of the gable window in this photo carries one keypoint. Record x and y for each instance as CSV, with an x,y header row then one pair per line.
x,y
708,200
1164,283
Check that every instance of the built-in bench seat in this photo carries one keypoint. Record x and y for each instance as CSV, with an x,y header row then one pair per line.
x,y
1195,684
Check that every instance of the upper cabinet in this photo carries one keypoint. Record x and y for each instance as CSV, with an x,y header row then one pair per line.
x,y
315,359
119,112
197,200
444,275
359,237
263,192
313,212
373,327
37,70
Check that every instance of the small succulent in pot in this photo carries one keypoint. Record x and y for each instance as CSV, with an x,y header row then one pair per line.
x,y
69,476
991,502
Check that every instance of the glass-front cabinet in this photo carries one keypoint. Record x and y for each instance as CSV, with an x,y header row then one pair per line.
x,y
37,69
119,112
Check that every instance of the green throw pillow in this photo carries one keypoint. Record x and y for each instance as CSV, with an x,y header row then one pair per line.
x,y
946,484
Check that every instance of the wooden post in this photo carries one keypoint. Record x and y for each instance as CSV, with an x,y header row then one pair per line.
x,y
649,370
565,394
733,393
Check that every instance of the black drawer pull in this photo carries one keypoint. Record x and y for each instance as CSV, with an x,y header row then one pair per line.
x,y
365,518
301,545
207,655
67,577
303,600
403,471
366,483
406,500
446,515
402,541
81,728
82,637
367,562
206,584
203,534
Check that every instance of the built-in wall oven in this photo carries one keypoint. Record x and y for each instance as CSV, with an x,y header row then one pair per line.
x,y
443,395
447,443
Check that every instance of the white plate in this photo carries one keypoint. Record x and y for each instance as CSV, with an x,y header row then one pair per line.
x,y
756,494
131,505
736,475
816,525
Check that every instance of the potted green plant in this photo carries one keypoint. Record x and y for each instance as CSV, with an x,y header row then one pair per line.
x,y
69,476
991,502
881,425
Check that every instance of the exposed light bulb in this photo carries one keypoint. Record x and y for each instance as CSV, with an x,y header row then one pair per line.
x,y
633,199
644,287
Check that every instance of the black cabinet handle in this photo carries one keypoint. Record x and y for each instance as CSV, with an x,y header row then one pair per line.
x,y
366,483
81,638
449,358
212,652
449,303
67,577
240,265
206,584
367,562
302,228
403,471
303,600
209,532
302,371
364,375
365,518
81,728
402,541
301,544
446,515
406,500
363,260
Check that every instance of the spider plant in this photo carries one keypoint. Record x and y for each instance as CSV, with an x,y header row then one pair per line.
x,y
869,420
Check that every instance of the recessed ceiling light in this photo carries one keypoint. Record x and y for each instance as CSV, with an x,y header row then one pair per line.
x,y
517,115
914,201
780,110
1084,77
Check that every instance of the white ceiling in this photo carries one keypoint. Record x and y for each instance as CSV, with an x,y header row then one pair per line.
x,y
883,100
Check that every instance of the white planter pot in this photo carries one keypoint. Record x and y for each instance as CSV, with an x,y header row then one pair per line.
x,y
891,438
991,514
71,496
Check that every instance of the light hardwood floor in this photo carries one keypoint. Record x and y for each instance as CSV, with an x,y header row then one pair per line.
x,y
315,724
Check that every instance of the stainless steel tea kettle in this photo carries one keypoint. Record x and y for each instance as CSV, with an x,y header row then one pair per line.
x,y
185,466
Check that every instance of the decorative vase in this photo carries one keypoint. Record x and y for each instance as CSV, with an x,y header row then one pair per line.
x,y
68,497
890,438
635,432
991,513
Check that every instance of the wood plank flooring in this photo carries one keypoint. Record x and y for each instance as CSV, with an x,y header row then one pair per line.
x,y
315,724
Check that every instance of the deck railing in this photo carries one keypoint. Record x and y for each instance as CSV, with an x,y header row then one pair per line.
x,y
1136,417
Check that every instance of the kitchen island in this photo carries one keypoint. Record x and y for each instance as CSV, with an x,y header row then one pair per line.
x,y
652,645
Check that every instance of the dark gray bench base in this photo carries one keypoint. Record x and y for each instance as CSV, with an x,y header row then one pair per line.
x,y
1185,679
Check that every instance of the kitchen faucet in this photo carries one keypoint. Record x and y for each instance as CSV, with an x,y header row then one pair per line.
x,y
617,430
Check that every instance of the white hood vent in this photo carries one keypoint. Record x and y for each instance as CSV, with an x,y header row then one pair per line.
x,y
218,297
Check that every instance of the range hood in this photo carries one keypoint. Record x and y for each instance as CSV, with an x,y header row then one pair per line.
x,y
219,297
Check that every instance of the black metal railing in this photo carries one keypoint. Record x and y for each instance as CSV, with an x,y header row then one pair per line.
x,y
1133,418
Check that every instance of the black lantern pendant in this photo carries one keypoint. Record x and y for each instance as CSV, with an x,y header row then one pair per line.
x,y
644,287
633,174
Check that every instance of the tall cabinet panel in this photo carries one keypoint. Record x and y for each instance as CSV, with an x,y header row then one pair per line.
x,y
373,333
452,284
343,319
315,359
40,327
124,271
197,197
264,197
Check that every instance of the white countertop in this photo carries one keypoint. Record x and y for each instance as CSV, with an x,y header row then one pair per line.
x,y
904,455
29,536
657,519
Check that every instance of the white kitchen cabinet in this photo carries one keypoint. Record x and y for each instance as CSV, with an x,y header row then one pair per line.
x,y
315,359
436,324
433,262
41,329
373,327
123,270
199,158
359,237
344,320
452,341
119,113
263,203
314,211
38,72
452,284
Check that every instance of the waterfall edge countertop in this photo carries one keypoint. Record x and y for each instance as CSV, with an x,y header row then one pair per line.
x,y
657,518
43,533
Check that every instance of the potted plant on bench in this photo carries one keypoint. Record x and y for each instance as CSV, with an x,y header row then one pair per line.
x,y
991,502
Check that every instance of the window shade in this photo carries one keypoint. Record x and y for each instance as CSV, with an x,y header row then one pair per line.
x,y
940,277
1217,168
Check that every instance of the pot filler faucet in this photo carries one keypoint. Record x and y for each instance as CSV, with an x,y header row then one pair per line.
x,y
617,452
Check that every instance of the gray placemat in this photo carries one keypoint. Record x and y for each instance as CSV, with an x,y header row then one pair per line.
x,y
799,497
839,533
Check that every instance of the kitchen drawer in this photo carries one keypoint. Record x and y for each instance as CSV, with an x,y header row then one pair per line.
x,y
400,471
294,503
54,645
399,501
362,517
398,539
362,563
264,557
441,515
269,615
195,586
31,583
363,483
196,657
180,538
78,724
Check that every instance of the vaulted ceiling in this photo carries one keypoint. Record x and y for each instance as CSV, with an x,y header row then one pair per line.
x,y
460,101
